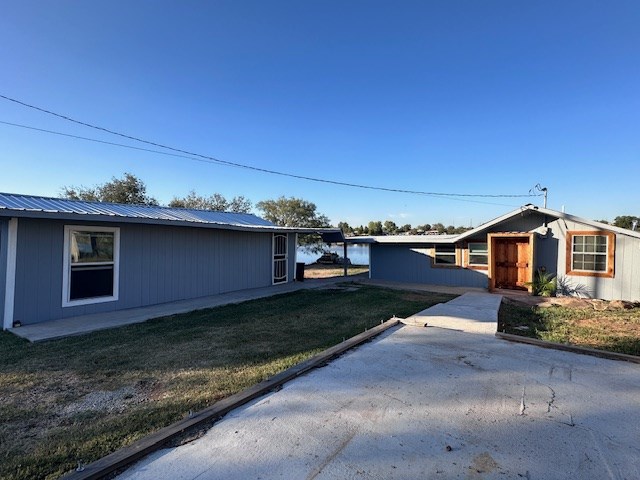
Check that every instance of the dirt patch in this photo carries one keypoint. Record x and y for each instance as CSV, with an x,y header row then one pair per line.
x,y
115,401
543,302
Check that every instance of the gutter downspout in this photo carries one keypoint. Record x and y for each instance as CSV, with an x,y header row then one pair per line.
x,y
344,263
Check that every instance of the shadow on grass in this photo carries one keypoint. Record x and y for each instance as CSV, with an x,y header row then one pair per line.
x,y
175,364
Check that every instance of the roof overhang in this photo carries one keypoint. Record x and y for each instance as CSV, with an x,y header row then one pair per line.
x,y
404,239
111,219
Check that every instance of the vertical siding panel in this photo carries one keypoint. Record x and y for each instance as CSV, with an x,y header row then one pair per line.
x,y
3,265
30,285
158,264
45,234
56,252
144,260
153,272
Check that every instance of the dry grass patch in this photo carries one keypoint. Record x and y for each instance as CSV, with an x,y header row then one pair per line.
x,y
80,398
318,270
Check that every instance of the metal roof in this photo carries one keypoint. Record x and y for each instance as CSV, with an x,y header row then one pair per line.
x,y
44,207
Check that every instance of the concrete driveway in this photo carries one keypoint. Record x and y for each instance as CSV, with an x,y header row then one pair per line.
x,y
429,403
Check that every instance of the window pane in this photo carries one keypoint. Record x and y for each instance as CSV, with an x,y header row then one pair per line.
x,y
601,264
478,260
478,254
91,282
578,262
478,248
601,244
578,243
91,247
445,259
445,249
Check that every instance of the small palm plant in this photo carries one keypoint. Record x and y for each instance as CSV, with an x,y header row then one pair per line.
x,y
544,284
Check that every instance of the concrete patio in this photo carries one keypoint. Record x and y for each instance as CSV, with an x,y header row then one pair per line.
x,y
428,403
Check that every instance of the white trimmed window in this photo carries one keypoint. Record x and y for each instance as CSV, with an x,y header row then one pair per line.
x,y
444,255
91,265
478,254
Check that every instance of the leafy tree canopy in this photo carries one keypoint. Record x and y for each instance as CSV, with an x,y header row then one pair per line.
x,y
626,221
292,212
390,227
345,227
295,212
128,189
375,228
215,202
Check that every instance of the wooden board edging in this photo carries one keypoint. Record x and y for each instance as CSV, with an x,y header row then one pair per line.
x,y
569,348
155,441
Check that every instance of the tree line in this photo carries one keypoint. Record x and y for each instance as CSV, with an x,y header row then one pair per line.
x,y
283,211
390,228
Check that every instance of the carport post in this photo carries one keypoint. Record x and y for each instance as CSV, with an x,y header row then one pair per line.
x,y
344,263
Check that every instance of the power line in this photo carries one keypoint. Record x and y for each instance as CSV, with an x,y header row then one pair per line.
x,y
115,144
209,159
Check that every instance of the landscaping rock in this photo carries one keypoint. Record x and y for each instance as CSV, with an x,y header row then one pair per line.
x,y
621,304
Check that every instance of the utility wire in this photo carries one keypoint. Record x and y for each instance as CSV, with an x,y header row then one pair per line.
x,y
210,159
78,137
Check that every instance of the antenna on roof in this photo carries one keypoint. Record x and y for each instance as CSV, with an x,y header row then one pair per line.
x,y
542,189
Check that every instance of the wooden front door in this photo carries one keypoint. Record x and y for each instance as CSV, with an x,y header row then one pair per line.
x,y
511,257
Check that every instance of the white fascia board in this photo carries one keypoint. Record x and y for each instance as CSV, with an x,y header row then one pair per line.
x,y
591,223
403,239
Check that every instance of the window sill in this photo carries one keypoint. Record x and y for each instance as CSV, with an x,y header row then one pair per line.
x,y
88,301
582,273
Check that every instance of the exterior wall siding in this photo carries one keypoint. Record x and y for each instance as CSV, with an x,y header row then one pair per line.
x,y
625,284
291,257
4,232
412,264
158,264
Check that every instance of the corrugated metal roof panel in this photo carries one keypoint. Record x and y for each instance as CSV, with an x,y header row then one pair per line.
x,y
28,203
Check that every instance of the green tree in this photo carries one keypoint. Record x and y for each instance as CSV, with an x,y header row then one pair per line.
x,y
390,227
345,227
425,228
626,221
295,212
215,202
375,228
439,227
405,228
128,189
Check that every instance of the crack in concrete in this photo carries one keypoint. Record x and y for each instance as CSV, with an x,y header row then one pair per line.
x,y
553,398
522,404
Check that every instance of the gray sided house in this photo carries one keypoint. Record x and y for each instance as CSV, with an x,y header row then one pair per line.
x,y
590,259
65,258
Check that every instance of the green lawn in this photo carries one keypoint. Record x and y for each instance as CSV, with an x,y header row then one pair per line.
x,y
615,330
80,398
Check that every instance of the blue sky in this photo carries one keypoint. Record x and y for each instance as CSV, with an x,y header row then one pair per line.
x,y
474,97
